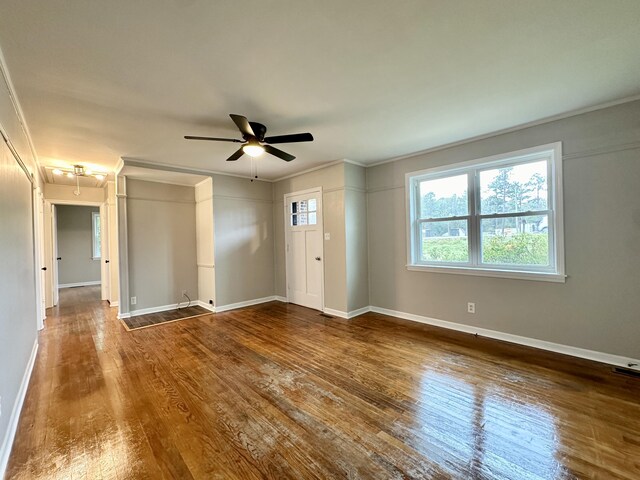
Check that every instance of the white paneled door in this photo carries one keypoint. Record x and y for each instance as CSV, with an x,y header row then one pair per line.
x,y
304,248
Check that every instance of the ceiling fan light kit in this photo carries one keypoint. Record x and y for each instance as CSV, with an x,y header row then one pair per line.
x,y
254,141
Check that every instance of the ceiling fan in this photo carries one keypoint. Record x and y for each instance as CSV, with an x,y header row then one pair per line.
x,y
254,142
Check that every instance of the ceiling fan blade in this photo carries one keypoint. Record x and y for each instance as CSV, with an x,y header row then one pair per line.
x,y
214,139
243,125
278,153
292,138
236,155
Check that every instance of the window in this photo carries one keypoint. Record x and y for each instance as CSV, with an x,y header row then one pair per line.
x,y
96,242
498,216
304,212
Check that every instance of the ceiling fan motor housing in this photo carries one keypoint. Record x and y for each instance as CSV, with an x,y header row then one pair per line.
x,y
259,129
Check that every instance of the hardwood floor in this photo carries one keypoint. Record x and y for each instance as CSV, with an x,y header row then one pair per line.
x,y
277,391
153,319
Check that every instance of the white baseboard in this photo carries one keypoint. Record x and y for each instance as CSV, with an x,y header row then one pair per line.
x,y
248,303
359,311
161,308
79,284
206,305
7,442
114,304
508,337
335,313
347,315
281,299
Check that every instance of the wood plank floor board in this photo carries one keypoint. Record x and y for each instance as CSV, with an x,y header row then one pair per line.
x,y
278,391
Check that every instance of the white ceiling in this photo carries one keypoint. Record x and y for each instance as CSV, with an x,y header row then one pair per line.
x,y
371,80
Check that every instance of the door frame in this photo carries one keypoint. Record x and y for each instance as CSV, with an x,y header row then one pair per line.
x,y
285,212
53,241
39,256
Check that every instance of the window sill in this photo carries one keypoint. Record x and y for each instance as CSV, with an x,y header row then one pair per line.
x,y
485,272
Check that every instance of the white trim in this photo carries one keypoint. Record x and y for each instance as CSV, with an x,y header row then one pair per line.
x,y
113,304
281,299
486,272
335,313
87,203
359,311
12,426
347,315
161,308
313,169
204,304
176,168
517,339
246,303
18,109
79,284
522,126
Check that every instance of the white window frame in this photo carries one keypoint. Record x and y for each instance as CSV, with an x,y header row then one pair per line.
x,y
94,240
553,273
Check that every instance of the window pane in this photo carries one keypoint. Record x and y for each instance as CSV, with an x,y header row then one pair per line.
x,y
519,188
444,197
312,218
312,205
294,220
97,242
294,207
516,240
444,241
302,219
303,205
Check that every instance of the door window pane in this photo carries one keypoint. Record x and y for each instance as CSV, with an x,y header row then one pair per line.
x,y
312,218
444,197
518,188
312,205
444,241
516,240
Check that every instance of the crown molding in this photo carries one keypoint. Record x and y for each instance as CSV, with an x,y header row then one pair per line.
x,y
134,162
4,69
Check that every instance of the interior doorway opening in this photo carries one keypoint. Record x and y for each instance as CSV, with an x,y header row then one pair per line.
x,y
76,249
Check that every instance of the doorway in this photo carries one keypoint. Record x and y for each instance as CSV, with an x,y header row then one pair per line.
x,y
76,248
304,248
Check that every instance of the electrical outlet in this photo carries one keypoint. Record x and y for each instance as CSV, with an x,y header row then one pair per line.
x,y
471,307
327,236
134,300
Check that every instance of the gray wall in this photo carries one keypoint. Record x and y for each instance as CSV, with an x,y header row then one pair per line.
x,y
243,239
355,210
597,308
161,235
75,244
17,269
17,284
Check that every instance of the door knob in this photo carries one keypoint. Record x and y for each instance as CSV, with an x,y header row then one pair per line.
x,y
318,258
